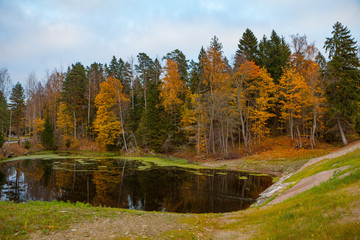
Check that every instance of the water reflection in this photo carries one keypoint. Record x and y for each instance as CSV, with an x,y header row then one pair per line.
x,y
127,184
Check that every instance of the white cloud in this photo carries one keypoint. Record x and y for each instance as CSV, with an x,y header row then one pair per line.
x,y
40,34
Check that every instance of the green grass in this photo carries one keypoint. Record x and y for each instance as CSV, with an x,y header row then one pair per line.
x,y
351,159
327,211
159,160
163,162
18,220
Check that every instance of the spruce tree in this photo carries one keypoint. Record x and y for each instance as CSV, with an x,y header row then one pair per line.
x,y
247,48
17,106
74,90
155,115
343,92
179,57
47,136
2,138
274,55
4,112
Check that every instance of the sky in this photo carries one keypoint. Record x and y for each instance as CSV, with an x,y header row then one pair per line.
x,y
37,36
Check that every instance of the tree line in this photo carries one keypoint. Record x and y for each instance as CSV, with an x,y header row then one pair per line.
x,y
209,106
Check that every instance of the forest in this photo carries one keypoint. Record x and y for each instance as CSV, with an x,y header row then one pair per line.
x,y
209,107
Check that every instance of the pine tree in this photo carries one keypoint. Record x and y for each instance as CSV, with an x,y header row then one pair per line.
x,y
343,92
274,55
47,136
2,138
182,64
95,76
4,112
152,128
17,106
74,89
247,48
155,115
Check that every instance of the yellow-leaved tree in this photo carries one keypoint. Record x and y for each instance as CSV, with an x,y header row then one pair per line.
x,y
171,87
64,121
216,79
108,101
261,96
242,80
253,94
295,98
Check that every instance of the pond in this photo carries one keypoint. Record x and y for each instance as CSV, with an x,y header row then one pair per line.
x,y
130,184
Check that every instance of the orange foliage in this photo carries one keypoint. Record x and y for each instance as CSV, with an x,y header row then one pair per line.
x,y
172,87
106,123
282,148
64,120
294,96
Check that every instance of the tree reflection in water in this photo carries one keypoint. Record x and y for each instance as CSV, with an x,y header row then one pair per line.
x,y
122,184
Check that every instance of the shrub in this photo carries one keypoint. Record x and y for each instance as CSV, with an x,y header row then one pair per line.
x,y
67,143
47,136
27,144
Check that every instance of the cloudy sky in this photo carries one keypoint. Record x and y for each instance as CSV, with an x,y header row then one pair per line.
x,y
40,35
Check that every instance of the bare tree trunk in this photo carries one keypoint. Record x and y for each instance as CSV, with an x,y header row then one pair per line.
x,y
212,114
313,129
243,127
8,145
291,123
34,125
299,136
242,120
199,126
343,137
74,123
122,122
89,105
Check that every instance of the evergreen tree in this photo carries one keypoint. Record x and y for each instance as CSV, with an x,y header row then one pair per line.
x,y
17,106
120,70
155,115
2,138
343,92
274,55
74,89
127,77
179,57
115,67
4,112
47,136
146,69
95,76
320,59
151,130
137,106
247,48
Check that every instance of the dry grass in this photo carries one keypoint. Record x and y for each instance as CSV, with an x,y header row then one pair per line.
x,y
282,148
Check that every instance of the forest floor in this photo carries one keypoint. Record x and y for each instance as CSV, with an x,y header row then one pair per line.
x,y
317,196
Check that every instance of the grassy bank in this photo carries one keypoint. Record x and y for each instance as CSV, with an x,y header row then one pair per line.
x,y
328,211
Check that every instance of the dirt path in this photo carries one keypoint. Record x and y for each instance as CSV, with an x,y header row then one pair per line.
x,y
309,182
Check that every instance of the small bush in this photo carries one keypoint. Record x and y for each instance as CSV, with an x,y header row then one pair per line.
x,y
2,139
68,143
27,145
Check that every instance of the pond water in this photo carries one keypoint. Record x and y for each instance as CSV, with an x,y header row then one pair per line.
x,y
130,184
